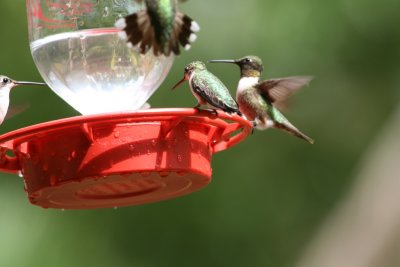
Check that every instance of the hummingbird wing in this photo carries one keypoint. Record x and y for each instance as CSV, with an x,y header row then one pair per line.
x,y
278,90
16,109
214,92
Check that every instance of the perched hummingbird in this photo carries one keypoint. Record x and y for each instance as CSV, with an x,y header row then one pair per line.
x,y
160,26
258,99
207,88
6,84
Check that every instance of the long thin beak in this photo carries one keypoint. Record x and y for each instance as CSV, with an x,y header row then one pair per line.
x,y
180,82
28,83
223,61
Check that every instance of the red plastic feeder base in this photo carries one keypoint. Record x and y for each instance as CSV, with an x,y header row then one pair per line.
x,y
119,159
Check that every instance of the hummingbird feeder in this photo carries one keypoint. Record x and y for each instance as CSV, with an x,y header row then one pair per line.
x,y
115,154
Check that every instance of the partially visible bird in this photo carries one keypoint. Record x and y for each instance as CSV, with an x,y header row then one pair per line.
x,y
6,84
208,89
257,99
161,27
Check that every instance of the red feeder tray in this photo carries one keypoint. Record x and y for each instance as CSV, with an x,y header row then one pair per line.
x,y
119,159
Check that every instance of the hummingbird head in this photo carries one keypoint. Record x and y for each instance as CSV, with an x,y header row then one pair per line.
x,y
194,66
6,84
250,66
189,70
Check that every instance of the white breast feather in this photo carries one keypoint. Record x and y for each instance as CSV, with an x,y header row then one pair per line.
x,y
245,83
4,102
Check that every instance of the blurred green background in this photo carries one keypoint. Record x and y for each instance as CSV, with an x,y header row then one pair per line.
x,y
270,193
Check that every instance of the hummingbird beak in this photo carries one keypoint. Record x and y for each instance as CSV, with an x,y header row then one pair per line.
x,y
223,61
180,82
16,83
28,83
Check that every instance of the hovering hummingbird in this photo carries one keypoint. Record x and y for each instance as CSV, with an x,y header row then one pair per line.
x,y
258,99
160,26
6,84
208,89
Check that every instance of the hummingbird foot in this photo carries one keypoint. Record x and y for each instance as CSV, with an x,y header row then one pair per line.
x,y
197,108
254,126
214,112
239,113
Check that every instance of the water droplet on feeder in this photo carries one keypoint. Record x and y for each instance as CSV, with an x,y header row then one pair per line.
x,y
175,141
116,134
179,157
20,174
131,148
154,142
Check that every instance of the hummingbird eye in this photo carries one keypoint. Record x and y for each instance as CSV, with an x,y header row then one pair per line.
x,y
6,80
247,60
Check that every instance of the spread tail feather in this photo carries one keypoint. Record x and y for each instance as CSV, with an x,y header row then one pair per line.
x,y
138,30
186,30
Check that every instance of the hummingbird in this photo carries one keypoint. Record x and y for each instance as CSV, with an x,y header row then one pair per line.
x,y
208,89
160,26
6,84
258,99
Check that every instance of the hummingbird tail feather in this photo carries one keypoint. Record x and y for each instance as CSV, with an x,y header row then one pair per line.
x,y
288,127
185,30
136,29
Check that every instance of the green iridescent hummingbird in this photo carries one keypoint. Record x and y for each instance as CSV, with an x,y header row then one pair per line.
x,y
161,26
208,89
258,100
